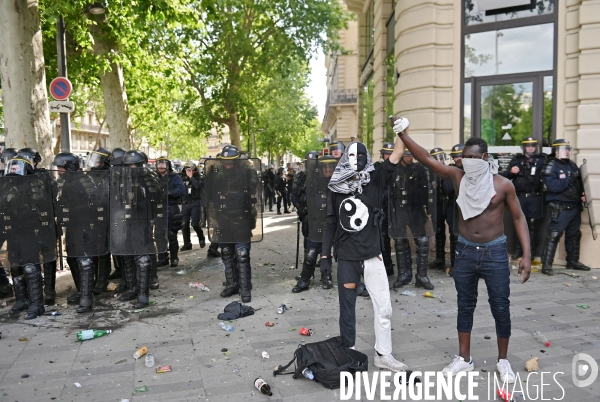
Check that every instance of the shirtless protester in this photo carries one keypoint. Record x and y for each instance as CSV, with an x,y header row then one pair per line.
x,y
482,195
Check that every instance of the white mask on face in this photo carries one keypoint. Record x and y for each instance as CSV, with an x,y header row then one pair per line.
x,y
353,156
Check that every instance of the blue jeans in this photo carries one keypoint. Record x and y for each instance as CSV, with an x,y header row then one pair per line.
x,y
490,262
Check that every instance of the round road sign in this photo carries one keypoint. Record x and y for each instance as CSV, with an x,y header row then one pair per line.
x,y
60,88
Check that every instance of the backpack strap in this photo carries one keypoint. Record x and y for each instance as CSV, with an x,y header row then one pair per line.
x,y
281,369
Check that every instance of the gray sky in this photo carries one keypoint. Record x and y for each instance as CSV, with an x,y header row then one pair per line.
x,y
317,90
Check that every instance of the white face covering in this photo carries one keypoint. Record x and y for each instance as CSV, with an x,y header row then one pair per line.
x,y
353,156
476,186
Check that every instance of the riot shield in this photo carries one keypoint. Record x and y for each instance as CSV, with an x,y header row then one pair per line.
x,y
138,211
81,208
318,173
588,193
27,229
411,202
233,200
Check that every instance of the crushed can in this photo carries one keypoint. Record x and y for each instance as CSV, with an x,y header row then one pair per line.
x,y
281,309
163,369
305,331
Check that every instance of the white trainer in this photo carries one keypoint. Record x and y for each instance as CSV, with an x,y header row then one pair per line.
x,y
389,363
506,373
457,365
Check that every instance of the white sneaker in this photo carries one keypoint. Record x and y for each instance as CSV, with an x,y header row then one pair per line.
x,y
457,365
388,362
506,373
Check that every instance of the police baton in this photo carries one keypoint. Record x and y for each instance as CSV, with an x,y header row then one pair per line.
x,y
297,242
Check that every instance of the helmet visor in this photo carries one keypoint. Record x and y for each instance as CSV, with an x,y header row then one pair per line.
x,y
530,148
440,157
17,167
95,160
563,151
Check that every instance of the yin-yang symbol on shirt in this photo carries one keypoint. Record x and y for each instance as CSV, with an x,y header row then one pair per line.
x,y
353,215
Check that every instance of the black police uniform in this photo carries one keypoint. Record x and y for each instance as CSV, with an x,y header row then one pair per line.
x,y
192,203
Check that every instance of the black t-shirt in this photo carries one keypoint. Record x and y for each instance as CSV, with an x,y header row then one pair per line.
x,y
353,221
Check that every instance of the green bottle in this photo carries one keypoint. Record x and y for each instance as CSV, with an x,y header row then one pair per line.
x,y
92,333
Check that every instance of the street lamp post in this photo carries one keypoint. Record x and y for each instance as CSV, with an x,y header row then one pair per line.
x,y
65,121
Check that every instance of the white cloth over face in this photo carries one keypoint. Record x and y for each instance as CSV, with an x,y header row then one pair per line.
x,y
345,179
476,187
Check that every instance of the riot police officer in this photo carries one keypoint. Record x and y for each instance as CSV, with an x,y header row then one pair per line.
x,y
409,192
440,213
6,155
33,156
336,149
565,194
117,160
525,171
268,179
176,191
194,184
386,151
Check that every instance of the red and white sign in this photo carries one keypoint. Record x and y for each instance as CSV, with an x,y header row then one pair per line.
x,y
60,88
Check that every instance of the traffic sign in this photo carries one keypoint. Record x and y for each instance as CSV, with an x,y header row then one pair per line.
x,y
60,88
61,106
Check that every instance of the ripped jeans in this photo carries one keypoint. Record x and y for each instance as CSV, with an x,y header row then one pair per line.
x,y
376,282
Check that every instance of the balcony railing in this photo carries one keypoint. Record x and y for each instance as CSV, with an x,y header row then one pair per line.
x,y
341,96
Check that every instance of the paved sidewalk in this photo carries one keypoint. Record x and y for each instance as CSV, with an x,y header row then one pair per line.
x,y
182,332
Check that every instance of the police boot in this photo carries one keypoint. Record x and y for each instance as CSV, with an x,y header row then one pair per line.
x,y
532,225
550,245
116,274
21,302
453,241
187,239
518,252
308,270
144,266
74,267
245,273
6,290
153,272
231,272
421,279
129,270
200,234
86,286
404,262
33,276
440,249
163,260
573,261
49,283
213,250
103,273
173,248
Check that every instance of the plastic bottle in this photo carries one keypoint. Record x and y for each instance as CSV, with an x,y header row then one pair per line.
x,y
225,326
140,352
262,386
199,286
541,338
149,361
307,373
92,333
409,293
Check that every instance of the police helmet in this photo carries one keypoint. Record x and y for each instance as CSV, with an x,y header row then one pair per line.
x,y
117,157
18,167
230,152
134,157
311,155
561,149
8,154
337,146
438,154
67,160
388,148
164,162
99,158
31,154
190,165
457,150
527,144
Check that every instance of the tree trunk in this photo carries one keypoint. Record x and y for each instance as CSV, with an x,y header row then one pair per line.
x,y
24,96
115,95
234,130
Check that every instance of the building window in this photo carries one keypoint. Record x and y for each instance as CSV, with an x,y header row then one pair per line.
x,y
537,7
390,96
370,32
367,115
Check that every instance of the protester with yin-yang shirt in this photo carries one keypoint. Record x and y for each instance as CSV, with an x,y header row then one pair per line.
x,y
353,229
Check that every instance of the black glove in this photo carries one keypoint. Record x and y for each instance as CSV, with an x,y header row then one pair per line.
x,y
326,266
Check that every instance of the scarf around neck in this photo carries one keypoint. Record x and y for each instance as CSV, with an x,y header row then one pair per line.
x,y
476,187
342,180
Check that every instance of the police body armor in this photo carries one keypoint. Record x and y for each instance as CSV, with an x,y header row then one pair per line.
x,y
138,211
27,228
318,174
233,200
525,181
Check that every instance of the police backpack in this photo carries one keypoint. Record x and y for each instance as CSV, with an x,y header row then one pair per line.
x,y
326,359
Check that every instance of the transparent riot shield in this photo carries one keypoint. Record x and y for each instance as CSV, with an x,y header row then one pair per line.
x,y
411,205
138,211
234,200
27,229
318,173
589,200
82,212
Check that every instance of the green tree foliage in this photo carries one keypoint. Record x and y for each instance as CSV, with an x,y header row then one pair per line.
x,y
230,47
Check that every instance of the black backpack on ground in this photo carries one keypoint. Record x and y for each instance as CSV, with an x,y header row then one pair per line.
x,y
326,359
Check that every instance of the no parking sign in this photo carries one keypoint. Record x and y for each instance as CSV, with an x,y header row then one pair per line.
x,y
60,88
